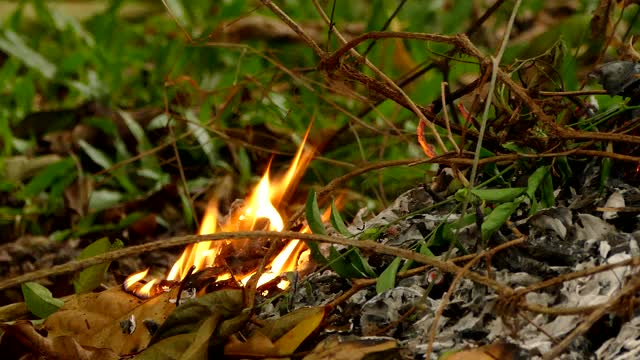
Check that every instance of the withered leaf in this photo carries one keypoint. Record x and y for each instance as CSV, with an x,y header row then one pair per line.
x,y
96,319
61,347
497,351
188,316
354,348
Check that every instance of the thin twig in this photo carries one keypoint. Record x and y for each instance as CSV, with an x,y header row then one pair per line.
x,y
492,85
191,239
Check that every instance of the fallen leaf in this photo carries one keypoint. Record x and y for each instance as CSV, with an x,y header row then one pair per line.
x,y
354,348
61,347
497,351
290,341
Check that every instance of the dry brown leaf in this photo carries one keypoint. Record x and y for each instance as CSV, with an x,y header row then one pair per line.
x,y
258,344
62,347
290,341
111,319
354,348
497,351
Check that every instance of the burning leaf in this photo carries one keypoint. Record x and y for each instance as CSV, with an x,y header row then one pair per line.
x,y
63,347
39,300
91,277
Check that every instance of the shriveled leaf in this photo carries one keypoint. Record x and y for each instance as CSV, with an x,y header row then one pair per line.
x,y
112,319
341,348
314,219
257,345
39,299
186,318
497,218
91,277
337,222
497,351
63,347
290,341
387,280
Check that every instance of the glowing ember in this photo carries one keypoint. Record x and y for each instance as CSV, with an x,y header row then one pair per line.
x,y
261,204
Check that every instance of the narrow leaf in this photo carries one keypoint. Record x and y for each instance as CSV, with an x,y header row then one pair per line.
x,y
39,300
498,195
535,180
47,177
312,211
387,280
360,263
337,222
14,45
339,263
497,218
95,154
314,219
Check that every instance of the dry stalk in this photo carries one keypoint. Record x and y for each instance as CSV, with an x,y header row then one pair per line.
x,y
445,266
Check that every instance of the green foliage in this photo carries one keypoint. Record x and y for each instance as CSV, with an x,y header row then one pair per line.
x,y
387,279
39,300
91,277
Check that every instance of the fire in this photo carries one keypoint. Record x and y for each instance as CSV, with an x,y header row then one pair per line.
x,y
261,204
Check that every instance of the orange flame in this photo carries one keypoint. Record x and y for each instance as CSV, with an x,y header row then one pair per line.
x,y
261,204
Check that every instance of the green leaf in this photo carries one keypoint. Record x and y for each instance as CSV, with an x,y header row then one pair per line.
x,y
387,280
338,263
548,197
148,162
337,222
312,211
498,195
96,154
47,177
314,219
14,45
39,300
91,277
535,180
360,263
497,218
